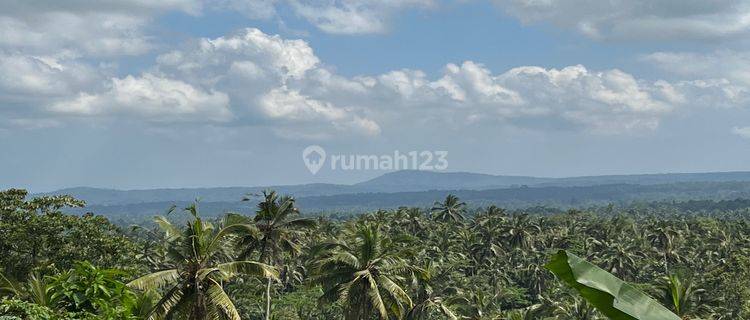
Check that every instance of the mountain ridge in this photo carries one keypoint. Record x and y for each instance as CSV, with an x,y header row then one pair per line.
x,y
392,182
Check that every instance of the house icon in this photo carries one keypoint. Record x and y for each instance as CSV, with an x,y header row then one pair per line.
x,y
314,157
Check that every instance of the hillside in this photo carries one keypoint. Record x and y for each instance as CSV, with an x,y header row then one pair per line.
x,y
519,197
395,182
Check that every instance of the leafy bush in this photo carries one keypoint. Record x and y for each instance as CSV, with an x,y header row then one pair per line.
x,y
88,289
17,310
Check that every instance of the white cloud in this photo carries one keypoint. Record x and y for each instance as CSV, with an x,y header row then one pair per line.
x,y
720,78
609,101
25,78
354,16
152,98
605,101
258,71
638,19
274,80
294,107
249,48
103,28
250,78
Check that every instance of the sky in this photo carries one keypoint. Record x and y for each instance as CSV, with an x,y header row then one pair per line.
x,y
134,94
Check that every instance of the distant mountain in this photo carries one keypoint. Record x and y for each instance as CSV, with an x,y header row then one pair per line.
x,y
518,197
97,196
414,180
656,178
402,185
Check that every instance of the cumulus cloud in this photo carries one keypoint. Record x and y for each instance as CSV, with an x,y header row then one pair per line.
x,y
25,78
249,49
608,101
294,107
250,78
152,98
260,73
638,19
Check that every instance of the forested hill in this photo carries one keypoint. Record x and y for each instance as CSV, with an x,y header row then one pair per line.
x,y
395,182
410,180
517,197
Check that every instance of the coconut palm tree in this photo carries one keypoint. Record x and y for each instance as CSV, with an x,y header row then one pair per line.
x,y
663,240
451,209
364,275
280,231
200,260
618,257
520,232
428,302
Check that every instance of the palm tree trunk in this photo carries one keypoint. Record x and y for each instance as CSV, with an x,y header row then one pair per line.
x,y
199,309
268,300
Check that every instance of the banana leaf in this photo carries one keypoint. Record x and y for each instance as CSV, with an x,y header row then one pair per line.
x,y
616,299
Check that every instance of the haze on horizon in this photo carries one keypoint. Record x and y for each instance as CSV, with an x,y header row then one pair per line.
x,y
190,93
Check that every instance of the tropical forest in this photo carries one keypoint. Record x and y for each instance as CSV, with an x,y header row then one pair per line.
x,y
446,261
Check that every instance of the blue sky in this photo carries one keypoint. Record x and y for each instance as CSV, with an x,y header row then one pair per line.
x,y
183,93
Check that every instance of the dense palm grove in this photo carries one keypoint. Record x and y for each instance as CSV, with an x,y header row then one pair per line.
x,y
445,262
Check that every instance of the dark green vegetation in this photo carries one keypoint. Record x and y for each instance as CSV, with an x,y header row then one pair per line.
x,y
421,188
448,260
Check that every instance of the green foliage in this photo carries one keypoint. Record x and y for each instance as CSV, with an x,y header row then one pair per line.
x,y
17,309
38,237
613,297
200,259
279,231
453,262
364,274
451,209
89,289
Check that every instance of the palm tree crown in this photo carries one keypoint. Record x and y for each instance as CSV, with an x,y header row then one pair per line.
x,y
200,260
451,209
364,275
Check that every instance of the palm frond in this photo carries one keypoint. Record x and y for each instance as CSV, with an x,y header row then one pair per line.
x,y
155,280
251,268
217,296
168,304
374,296
170,230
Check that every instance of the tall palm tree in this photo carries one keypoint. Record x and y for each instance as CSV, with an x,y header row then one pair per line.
x,y
663,239
520,231
364,275
280,231
200,260
451,209
618,257
427,302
